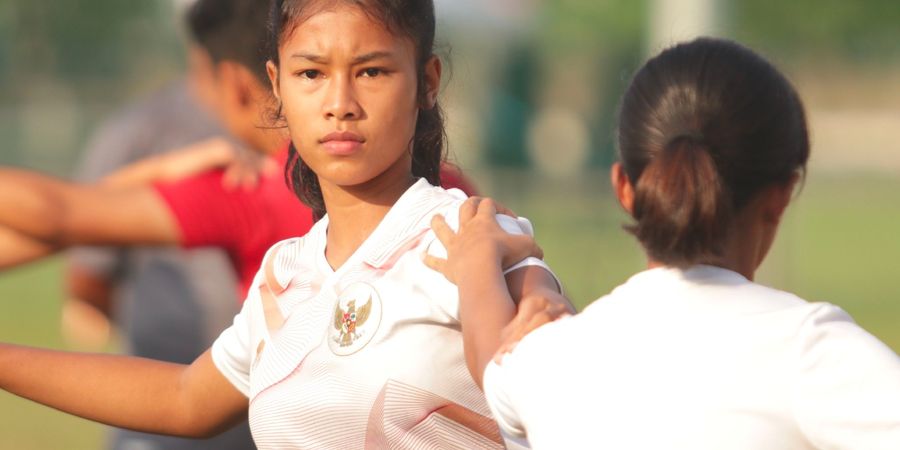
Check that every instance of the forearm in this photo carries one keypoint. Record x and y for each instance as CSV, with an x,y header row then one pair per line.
x,y
125,392
485,309
501,310
173,166
17,249
61,214
139,173
33,204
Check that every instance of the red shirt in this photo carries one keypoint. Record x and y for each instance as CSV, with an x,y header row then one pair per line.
x,y
246,223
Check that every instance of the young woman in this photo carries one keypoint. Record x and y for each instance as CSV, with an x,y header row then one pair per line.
x,y
691,353
347,339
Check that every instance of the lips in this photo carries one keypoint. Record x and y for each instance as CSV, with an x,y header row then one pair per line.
x,y
342,143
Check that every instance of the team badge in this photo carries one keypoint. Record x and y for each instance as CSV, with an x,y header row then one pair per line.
x,y
357,316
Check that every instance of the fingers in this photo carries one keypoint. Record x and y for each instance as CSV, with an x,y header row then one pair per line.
x,y
517,247
443,231
468,210
487,206
435,263
537,251
270,166
441,266
534,312
502,209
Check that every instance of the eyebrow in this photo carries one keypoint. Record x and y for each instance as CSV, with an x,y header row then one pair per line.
x,y
361,59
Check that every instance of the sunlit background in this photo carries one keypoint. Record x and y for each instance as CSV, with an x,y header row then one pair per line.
x,y
531,97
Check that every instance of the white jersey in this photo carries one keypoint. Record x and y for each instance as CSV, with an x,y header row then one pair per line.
x,y
367,356
699,359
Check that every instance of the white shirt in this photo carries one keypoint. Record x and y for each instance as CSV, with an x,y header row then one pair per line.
x,y
699,359
367,356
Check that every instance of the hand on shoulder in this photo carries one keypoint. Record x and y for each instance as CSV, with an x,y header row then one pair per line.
x,y
480,243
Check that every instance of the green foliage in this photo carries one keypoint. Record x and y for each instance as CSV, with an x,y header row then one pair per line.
x,y
856,30
581,24
86,38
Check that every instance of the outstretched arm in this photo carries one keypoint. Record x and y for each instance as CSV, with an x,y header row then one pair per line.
x,y
59,213
126,392
477,255
16,248
243,168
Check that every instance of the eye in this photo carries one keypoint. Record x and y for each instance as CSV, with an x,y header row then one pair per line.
x,y
372,72
310,74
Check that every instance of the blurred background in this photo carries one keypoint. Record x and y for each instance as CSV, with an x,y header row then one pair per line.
x,y
531,97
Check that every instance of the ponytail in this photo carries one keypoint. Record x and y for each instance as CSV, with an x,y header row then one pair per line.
x,y
681,205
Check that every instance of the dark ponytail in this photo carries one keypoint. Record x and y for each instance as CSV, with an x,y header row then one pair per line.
x,y
703,128
681,206
414,19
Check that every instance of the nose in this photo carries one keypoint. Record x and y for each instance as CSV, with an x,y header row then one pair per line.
x,y
341,102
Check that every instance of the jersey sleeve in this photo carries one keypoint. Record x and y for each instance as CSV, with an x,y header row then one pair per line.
x,y
847,388
512,225
232,352
207,214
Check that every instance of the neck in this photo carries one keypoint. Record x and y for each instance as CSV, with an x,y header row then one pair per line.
x,y
355,211
740,265
743,251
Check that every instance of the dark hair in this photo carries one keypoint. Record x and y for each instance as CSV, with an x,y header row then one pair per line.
x,y
232,30
414,19
704,127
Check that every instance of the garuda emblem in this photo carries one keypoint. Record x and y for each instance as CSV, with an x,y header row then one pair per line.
x,y
347,321
357,316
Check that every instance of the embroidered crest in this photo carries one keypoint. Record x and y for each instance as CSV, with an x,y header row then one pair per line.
x,y
357,315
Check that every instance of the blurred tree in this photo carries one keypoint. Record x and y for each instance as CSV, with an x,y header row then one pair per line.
x,y
854,31
83,40
511,108
64,65
608,35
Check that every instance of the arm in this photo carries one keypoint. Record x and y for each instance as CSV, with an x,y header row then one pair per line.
x,y
242,167
175,165
60,214
134,393
489,308
16,248
488,298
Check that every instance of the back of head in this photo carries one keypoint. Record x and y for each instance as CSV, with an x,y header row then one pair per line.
x,y
233,30
703,128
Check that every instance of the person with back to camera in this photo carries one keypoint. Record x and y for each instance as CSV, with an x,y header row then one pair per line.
x,y
691,353
346,340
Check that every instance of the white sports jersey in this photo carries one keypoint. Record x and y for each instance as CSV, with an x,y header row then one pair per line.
x,y
368,356
700,359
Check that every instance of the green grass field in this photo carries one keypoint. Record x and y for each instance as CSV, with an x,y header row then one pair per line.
x,y
838,244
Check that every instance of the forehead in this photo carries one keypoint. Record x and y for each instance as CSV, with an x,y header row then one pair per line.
x,y
342,27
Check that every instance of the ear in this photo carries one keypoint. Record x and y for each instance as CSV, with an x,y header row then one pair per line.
x,y
433,69
250,88
622,187
232,88
272,71
776,198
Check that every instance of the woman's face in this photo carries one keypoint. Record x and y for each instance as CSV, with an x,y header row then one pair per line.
x,y
348,89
